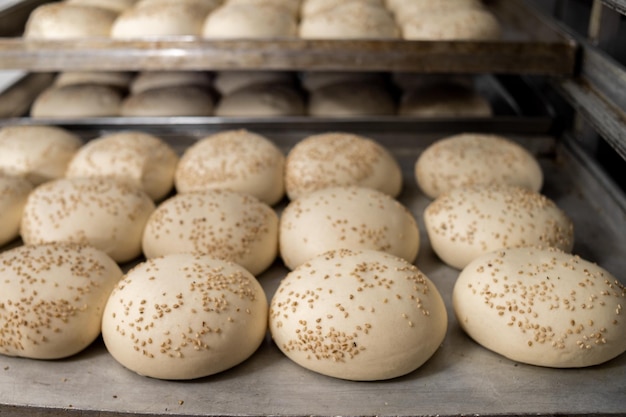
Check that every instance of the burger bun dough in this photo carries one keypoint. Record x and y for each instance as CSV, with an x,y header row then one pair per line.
x,y
160,19
262,100
169,102
13,194
459,24
200,315
149,80
227,82
547,308
352,99
60,291
249,21
62,20
77,101
444,100
119,79
353,315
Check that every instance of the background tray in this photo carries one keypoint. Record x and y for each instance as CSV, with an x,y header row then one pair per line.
x,y
461,378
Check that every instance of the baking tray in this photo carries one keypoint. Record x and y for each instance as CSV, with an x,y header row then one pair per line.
x,y
516,104
530,45
462,378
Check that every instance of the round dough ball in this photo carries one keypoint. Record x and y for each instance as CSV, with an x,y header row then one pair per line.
x,y
77,101
311,7
199,315
470,221
120,79
337,159
237,160
36,153
352,99
223,224
358,315
547,308
314,80
61,20
162,19
149,80
169,102
444,100
209,5
227,82
350,20
262,100
458,24
106,214
249,21
52,299
140,159
467,159
292,6
13,194
117,6
405,11
346,218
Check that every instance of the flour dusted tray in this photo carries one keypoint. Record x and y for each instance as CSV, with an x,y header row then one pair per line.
x,y
461,378
530,45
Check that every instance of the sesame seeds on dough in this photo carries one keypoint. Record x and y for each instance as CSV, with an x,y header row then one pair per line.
x,y
543,307
13,194
469,221
184,316
101,212
52,298
237,160
221,223
358,315
346,218
338,159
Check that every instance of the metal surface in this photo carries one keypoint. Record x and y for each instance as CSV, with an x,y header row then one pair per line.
x,y
461,378
530,45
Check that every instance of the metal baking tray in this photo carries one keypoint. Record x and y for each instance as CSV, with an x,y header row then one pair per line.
x,y
530,45
462,378
516,104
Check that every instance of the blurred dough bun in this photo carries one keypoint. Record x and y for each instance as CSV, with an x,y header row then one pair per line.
x,y
350,20
358,315
405,11
61,20
459,24
199,315
100,212
250,21
351,99
161,19
467,222
444,100
149,80
262,100
13,194
118,79
292,6
346,218
227,82
335,159
237,160
208,5
37,153
169,102
313,80
469,158
311,7
547,308
77,101
117,6
221,223
52,299
140,159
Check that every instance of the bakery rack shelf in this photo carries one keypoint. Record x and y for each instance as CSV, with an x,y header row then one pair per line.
x,y
529,45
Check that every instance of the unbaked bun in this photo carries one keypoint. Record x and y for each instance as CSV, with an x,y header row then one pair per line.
x,y
162,19
208,5
196,316
334,159
221,223
292,6
262,100
62,20
149,80
444,101
169,102
13,194
237,160
313,80
227,82
77,101
547,308
120,79
467,222
459,24
351,99
52,299
117,6
100,212
406,11
139,159
346,218
37,153
249,21
311,7
468,158
358,315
